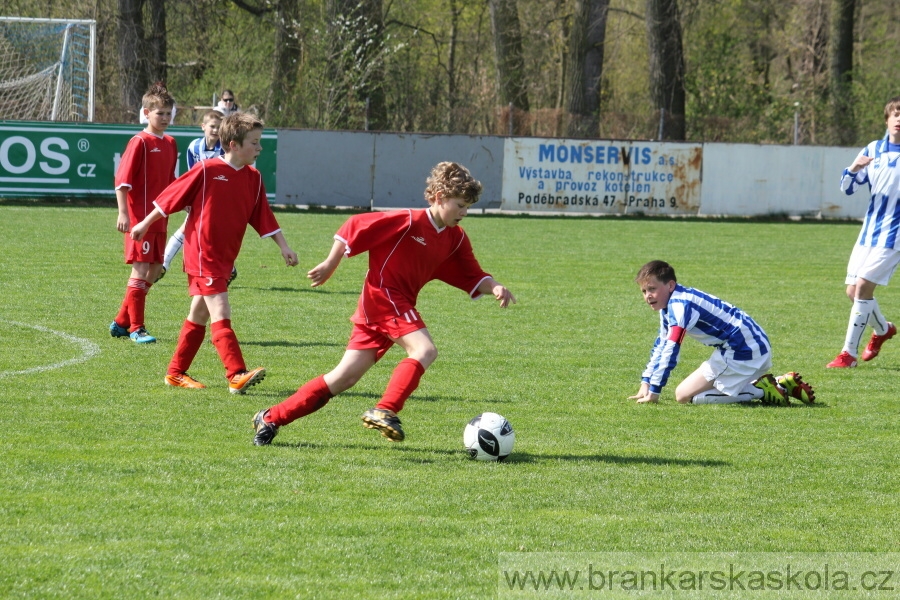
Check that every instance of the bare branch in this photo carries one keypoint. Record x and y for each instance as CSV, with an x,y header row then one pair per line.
x,y
254,10
627,12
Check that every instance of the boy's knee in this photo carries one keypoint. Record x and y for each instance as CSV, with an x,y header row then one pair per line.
x,y
683,399
425,356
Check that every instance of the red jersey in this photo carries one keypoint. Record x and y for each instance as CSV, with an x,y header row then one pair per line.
x,y
407,250
223,199
147,167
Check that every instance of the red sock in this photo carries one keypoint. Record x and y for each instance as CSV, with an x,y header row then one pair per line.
x,y
227,346
135,301
122,318
189,341
404,381
312,395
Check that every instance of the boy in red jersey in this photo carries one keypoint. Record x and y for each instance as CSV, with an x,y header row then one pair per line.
x,y
147,167
225,194
407,249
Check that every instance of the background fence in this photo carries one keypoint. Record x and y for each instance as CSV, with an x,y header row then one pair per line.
x,y
388,170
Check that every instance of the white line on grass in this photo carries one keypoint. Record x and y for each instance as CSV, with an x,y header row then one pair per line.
x,y
88,350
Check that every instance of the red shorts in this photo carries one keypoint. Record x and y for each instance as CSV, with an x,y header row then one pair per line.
x,y
380,336
148,250
206,286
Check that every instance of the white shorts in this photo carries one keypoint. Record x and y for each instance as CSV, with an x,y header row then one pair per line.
x,y
872,264
731,376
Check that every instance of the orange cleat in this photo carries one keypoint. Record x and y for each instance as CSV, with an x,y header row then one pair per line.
x,y
244,380
183,380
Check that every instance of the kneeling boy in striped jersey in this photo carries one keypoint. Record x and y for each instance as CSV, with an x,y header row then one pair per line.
x,y
739,368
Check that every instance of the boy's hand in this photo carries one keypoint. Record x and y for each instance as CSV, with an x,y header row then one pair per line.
x,y
320,273
122,223
648,399
644,396
290,257
503,295
859,163
137,233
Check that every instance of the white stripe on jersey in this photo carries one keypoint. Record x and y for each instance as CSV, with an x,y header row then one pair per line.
x,y
881,224
197,151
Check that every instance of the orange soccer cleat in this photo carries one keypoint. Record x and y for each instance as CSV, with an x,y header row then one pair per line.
x,y
183,380
244,380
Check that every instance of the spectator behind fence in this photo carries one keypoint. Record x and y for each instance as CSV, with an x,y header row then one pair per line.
x,y
227,105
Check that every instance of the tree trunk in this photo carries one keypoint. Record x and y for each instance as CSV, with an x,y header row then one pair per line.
x,y
666,66
451,67
281,107
132,62
372,88
510,63
156,46
585,67
355,64
842,122
142,58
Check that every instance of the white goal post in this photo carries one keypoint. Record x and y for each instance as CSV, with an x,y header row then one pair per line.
x,y
47,69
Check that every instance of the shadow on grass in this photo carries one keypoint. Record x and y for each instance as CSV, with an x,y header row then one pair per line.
x,y
293,344
524,457
377,396
420,454
301,290
760,405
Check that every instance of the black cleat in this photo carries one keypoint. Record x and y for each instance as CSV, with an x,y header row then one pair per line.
x,y
265,432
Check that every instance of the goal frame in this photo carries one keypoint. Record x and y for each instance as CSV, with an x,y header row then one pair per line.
x,y
92,25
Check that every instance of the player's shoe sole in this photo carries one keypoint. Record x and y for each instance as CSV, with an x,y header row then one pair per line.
x,y
231,277
161,274
117,331
140,336
385,421
265,432
874,346
241,382
772,392
797,388
842,361
183,380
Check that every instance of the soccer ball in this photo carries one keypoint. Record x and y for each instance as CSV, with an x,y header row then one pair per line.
x,y
489,437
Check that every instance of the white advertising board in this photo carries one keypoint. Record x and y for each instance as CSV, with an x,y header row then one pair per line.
x,y
601,176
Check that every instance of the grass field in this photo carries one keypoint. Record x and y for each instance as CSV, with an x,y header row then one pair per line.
x,y
115,486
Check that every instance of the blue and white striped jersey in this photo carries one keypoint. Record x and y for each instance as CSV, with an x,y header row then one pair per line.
x,y
197,151
882,221
708,320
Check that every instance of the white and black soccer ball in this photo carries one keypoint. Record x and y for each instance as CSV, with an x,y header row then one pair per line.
x,y
489,436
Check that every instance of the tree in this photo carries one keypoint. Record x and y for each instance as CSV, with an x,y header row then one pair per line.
x,y
585,66
666,66
842,121
142,60
355,63
281,107
508,52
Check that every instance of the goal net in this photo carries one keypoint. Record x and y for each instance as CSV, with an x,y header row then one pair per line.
x,y
47,69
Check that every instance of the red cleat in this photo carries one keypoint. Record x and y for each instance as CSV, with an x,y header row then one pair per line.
x,y
843,361
875,343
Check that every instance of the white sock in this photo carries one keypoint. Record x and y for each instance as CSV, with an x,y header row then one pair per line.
x,y
859,318
714,396
172,248
877,320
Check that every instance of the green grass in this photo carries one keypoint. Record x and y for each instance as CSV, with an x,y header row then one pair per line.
x,y
115,486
